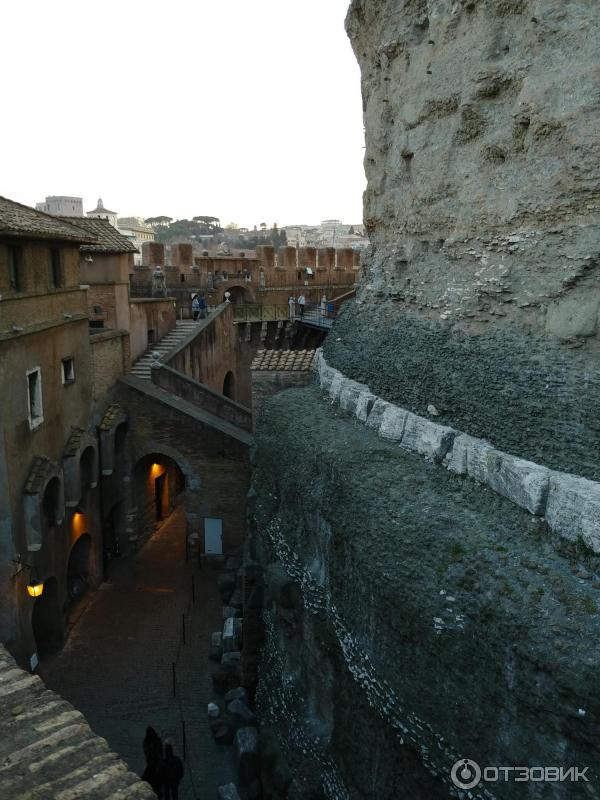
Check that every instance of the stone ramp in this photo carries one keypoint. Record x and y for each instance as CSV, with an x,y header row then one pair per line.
x,y
48,750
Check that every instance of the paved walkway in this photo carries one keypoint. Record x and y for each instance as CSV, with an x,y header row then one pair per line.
x,y
116,665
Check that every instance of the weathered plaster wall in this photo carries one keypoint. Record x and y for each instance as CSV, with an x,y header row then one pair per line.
x,y
482,159
155,314
412,616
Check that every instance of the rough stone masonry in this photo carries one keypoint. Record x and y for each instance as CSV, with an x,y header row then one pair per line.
x,y
412,616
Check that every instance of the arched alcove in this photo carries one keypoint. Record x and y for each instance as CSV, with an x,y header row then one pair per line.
x,y
79,567
229,385
47,620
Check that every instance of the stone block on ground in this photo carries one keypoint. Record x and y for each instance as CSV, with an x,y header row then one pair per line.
x,y
227,792
229,637
224,733
426,438
216,639
240,710
226,584
213,710
233,563
230,611
239,693
236,601
467,452
231,658
573,508
246,752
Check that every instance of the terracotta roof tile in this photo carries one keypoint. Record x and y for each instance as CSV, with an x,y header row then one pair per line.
x,y
109,240
284,360
24,221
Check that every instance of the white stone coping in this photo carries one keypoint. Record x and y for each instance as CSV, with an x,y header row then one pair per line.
x,y
570,503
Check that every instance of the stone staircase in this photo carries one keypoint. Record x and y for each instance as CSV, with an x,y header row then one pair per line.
x,y
142,367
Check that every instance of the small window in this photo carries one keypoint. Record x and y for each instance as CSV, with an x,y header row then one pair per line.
x,y
150,335
68,370
182,277
34,392
55,269
14,268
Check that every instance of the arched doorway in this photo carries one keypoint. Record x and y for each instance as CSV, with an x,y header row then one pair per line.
x,y
158,482
238,294
79,568
229,385
47,620
51,504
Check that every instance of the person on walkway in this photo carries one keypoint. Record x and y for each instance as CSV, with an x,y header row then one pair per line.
x,y
195,306
153,751
202,306
227,296
153,746
301,303
171,774
292,305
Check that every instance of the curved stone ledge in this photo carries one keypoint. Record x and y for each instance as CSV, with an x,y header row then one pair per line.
x,y
570,504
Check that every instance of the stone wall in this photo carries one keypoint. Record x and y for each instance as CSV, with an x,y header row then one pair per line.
x,y
414,615
149,314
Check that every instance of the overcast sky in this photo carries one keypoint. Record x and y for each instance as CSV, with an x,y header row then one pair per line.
x,y
249,111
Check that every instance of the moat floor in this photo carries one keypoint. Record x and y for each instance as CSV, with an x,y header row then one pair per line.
x,y
116,665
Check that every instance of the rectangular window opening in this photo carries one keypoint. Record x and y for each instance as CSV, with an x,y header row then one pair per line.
x,y
34,392
68,370
55,268
14,268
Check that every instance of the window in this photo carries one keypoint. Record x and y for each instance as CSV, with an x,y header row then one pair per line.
x,y
55,269
182,277
14,268
68,370
34,392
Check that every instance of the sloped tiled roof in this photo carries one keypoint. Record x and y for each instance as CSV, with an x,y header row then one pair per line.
x,y
283,360
47,749
109,240
24,221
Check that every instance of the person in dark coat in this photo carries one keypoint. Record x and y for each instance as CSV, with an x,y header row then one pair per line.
x,y
153,746
153,751
171,773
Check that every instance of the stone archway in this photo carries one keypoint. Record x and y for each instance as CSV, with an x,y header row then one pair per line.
x,y
158,481
79,568
229,385
47,620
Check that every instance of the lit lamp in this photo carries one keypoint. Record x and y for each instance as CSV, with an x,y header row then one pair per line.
x,y
34,587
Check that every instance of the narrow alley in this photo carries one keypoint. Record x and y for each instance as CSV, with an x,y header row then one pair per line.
x,y
117,665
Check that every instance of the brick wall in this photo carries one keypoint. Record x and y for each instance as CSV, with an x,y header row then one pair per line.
x,y
110,359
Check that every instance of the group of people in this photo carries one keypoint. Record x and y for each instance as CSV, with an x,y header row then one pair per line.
x,y
301,301
164,770
199,306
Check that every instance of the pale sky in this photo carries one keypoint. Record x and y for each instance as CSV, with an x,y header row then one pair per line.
x,y
247,111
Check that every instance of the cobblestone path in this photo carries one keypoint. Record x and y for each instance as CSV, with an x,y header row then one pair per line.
x,y
116,665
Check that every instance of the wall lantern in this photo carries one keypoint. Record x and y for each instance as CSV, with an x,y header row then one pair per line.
x,y
35,587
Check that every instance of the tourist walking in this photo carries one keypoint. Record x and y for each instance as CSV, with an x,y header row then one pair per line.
x,y
301,303
171,774
202,306
195,306
292,305
153,751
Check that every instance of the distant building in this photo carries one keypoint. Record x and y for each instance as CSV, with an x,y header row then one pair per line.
x,y
136,230
330,233
103,213
61,206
